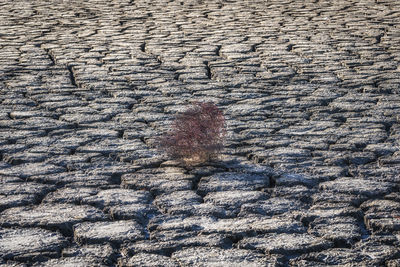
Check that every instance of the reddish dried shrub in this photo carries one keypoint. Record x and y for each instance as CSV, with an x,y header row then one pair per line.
x,y
197,134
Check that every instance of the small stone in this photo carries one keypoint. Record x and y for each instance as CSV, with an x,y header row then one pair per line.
x,y
148,260
231,201
31,169
286,244
104,252
175,202
52,215
361,187
221,257
164,181
70,195
117,197
72,261
271,207
229,181
295,179
12,201
113,232
166,242
26,244
327,211
344,231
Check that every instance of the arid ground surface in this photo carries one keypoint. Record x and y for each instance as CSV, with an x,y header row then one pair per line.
x,y
310,171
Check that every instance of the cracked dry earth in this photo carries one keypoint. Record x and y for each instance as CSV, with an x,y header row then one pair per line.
x,y
310,171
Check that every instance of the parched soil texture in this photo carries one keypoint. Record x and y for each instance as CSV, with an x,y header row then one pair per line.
x,y
310,170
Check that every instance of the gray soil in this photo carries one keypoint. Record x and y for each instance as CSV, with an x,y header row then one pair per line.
x,y
310,172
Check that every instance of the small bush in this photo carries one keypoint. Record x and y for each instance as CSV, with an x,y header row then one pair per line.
x,y
196,135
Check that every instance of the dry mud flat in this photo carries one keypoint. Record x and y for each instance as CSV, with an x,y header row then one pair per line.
x,y
310,175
